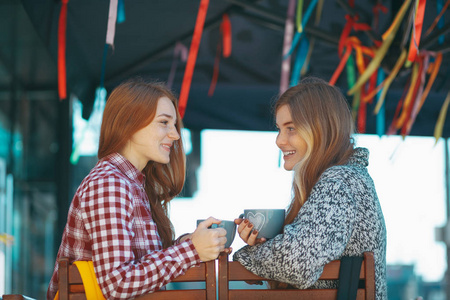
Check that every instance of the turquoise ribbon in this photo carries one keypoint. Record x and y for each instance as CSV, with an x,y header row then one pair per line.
x,y
298,35
120,12
302,52
381,114
440,24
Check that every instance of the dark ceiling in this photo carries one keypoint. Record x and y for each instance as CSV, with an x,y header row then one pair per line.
x,y
144,45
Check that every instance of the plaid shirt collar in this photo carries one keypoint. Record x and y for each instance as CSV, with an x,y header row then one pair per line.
x,y
126,167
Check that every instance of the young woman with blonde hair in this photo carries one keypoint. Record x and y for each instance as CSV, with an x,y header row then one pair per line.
x,y
335,210
118,217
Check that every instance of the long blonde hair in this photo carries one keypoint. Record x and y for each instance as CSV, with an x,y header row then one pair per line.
x,y
130,107
321,116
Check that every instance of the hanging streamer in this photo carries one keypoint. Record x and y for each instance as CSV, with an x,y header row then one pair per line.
x,y
380,119
302,52
441,119
62,76
305,19
439,20
392,129
417,32
376,13
121,12
387,82
225,29
193,51
351,79
112,18
408,103
224,48
305,67
381,52
299,16
287,42
179,50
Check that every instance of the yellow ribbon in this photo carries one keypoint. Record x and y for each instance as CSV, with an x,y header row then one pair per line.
x,y
441,119
387,82
380,53
409,96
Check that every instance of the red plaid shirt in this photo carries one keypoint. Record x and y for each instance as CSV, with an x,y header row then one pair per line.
x,y
110,223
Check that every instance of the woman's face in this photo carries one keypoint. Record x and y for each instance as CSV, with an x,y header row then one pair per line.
x,y
154,141
288,140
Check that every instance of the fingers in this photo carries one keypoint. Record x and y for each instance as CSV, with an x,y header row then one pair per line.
x,y
208,222
238,221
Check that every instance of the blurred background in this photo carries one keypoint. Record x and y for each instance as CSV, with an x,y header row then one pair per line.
x,y
51,100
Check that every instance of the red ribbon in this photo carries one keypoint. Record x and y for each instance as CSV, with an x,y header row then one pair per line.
x,y
225,28
62,80
417,32
224,47
193,51
376,13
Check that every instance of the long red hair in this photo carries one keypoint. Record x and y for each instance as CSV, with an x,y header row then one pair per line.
x,y
130,107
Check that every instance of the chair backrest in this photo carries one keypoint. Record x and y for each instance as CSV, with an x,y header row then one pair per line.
x,y
71,287
234,271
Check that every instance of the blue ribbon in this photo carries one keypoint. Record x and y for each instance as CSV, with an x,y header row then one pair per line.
x,y
440,24
381,114
298,35
302,52
120,12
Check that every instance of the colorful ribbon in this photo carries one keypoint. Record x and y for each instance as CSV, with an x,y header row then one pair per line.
x,y
417,32
387,82
300,59
121,12
299,15
193,51
112,18
181,50
62,76
305,20
441,119
380,119
287,42
388,37
223,48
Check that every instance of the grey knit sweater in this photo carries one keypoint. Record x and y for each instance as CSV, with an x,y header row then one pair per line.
x,y
341,217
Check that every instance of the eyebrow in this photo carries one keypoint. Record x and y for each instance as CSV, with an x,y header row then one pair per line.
x,y
165,115
286,123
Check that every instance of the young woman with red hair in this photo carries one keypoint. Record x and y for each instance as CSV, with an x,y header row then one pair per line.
x,y
118,217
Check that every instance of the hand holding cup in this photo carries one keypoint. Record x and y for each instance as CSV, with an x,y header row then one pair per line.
x,y
258,225
209,242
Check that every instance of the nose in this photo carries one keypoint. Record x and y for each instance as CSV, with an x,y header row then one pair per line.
x,y
280,140
173,134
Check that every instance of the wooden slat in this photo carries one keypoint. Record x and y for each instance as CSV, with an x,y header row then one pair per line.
x,y
193,274
175,294
74,275
317,294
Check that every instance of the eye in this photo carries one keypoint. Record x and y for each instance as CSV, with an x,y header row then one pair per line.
x,y
291,129
165,122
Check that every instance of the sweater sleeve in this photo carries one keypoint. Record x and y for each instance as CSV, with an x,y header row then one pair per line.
x,y
318,235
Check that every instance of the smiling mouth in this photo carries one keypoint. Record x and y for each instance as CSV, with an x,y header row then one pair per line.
x,y
167,147
288,153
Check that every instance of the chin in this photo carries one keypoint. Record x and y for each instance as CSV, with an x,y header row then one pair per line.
x,y
288,168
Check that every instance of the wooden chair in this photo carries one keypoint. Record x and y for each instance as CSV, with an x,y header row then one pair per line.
x,y
71,286
234,271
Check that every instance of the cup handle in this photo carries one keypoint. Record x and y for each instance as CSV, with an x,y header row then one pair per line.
x,y
241,216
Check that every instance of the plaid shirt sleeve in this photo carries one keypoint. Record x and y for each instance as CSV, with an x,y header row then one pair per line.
x,y
115,220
